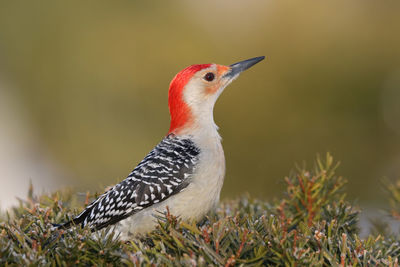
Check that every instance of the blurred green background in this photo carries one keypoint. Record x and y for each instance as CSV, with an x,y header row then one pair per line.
x,y
91,80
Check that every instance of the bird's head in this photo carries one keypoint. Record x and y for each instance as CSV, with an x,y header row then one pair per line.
x,y
194,91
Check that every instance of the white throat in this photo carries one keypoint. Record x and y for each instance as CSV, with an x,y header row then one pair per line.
x,y
203,124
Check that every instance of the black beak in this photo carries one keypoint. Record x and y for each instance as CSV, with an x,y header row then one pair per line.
x,y
241,66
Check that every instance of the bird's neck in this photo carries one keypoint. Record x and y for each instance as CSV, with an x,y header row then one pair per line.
x,y
201,128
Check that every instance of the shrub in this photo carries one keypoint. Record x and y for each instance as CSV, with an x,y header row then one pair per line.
x,y
312,224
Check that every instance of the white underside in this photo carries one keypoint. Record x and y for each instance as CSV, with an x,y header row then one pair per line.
x,y
201,195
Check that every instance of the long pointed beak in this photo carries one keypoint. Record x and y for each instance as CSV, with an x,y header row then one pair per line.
x,y
238,67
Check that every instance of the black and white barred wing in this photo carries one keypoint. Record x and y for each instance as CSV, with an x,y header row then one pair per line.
x,y
165,171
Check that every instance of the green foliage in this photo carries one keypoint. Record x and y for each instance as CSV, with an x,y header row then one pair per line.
x,y
393,190
312,225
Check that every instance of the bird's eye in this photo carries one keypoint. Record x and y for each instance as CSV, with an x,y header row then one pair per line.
x,y
209,77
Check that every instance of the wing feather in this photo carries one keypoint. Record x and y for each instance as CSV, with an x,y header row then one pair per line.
x,y
164,172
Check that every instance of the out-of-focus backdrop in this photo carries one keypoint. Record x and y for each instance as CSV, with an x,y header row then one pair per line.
x,y
83,89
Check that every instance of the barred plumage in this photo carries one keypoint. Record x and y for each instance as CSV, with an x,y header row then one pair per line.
x,y
165,171
185,171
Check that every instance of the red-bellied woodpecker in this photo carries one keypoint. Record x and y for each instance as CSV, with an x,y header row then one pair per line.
x,y
185,171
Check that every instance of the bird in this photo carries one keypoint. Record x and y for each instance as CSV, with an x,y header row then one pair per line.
x,y
184,173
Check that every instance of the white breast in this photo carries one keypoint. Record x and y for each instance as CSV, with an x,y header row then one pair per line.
x,y
198,198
